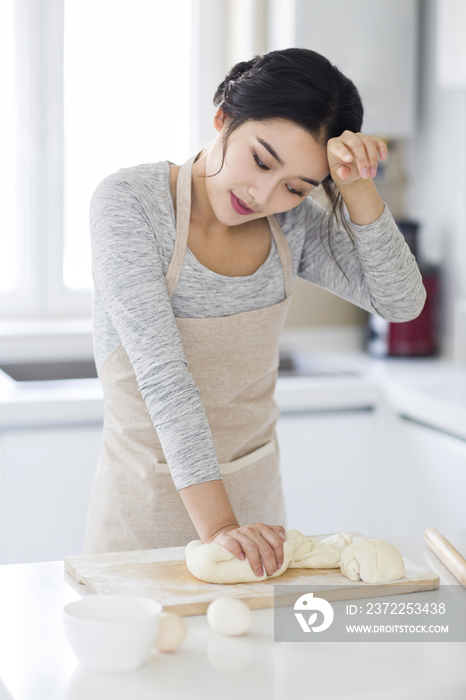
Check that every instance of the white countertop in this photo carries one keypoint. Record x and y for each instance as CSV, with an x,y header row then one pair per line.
x,y
430,390
37,663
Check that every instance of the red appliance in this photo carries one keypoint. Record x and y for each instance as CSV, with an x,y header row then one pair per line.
x,y
417,337
414,338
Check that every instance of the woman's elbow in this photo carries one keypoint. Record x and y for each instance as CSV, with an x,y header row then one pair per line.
x,y
409,309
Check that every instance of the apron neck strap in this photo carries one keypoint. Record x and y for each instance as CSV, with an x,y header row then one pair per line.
x,y
283,251
183,215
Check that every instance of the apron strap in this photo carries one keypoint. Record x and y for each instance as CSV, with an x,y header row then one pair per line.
x,y
283,251
183,213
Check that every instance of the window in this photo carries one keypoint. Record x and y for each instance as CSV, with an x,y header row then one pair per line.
x,y
89,87
8,234
126,101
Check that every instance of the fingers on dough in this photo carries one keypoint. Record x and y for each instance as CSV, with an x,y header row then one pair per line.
x,y
213,563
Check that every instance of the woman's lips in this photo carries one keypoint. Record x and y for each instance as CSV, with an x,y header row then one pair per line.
x,y
239,207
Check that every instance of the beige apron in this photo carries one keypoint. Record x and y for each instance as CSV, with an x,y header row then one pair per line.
x,y
234,361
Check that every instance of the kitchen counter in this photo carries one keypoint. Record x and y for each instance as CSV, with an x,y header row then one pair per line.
x,y
428,390
37,663
398,422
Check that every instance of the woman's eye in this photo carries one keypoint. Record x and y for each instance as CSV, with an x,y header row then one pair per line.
x,y
260,163
292,191
264,167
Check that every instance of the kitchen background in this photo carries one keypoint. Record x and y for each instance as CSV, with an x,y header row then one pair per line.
x,y
90,86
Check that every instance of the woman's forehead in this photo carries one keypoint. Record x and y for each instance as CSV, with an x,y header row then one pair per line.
x,y
287,143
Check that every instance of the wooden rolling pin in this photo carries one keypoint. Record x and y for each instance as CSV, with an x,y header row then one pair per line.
x,y
447,554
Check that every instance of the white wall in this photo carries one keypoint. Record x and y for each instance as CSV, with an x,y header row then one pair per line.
x,y
374,44
436,160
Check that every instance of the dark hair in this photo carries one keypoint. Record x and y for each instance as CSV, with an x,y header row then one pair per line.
x,y
295,84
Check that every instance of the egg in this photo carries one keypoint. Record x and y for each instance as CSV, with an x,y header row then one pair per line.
x,y
229,616
172,632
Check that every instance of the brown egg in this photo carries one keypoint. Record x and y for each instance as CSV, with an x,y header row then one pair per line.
x,y
172,632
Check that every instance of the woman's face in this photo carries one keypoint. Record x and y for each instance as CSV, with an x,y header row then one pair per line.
x,y
270,167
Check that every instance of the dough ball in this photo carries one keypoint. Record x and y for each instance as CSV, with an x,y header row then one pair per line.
x,y
372,561
172,632
229,616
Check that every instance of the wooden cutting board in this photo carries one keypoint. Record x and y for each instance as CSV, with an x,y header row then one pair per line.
x,y
162,574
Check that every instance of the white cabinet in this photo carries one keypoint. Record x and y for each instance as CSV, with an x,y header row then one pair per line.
x,y
45,483
423,479
374,472
343,469
374,43
328,470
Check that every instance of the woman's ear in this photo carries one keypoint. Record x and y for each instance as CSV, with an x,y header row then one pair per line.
x,y
220,119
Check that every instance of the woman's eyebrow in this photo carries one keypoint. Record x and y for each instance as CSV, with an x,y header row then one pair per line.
x,y
271,150
311,182
275,155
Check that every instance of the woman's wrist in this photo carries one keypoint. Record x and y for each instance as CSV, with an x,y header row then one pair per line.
x,y
209,508
226,528
362,201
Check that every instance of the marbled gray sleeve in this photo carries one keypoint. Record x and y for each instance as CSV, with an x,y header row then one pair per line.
x,y
133,226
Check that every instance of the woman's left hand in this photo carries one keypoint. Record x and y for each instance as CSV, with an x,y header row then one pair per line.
x,y
353,157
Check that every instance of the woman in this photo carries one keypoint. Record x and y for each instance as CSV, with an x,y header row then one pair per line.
x,y
193,267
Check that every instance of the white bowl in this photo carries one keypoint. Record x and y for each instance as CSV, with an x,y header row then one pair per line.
x,y
112,632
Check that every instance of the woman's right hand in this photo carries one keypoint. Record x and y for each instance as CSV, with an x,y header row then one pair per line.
x,y
261,544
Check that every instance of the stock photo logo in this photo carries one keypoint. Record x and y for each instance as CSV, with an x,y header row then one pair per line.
x,y
425,615
308,603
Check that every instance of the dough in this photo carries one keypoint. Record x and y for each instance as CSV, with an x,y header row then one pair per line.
x,y
215,564
372,561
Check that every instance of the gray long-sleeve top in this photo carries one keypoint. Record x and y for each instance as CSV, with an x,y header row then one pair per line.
x,y
132,222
